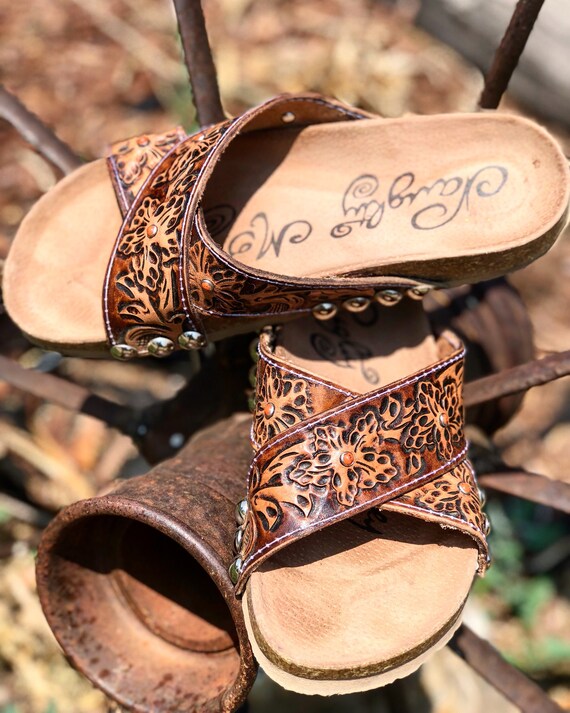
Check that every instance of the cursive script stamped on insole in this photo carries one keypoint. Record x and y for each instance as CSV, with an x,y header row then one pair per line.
x,y
364,205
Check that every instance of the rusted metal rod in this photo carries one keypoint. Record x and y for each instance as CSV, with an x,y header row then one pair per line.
x,y
199,61
519,378
530,486
65,393
35,132
508,680
509,51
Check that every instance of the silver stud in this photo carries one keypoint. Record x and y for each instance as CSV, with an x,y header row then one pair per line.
x,y
238,540
482,495
160,346
326,310
123,352
356,304
442,420
235,570
488,559
419,292
486,525
241,511
192,340
388,297
288,117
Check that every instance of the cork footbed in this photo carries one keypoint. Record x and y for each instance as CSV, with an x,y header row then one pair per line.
x,y
346,609
454,198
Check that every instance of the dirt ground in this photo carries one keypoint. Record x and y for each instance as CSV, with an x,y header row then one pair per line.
x,y
99,72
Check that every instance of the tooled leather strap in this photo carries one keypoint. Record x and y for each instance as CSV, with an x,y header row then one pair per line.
x,y
167,277
131,162
401,447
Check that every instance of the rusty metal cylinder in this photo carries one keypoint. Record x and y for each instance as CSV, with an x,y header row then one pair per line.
x,y
134,583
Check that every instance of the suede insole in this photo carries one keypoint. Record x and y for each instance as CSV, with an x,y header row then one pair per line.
x,y
359,196
347,602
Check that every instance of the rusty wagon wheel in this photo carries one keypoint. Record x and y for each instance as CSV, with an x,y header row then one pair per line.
x,y
223,373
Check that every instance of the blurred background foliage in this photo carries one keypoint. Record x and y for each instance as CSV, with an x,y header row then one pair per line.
x,y
101,71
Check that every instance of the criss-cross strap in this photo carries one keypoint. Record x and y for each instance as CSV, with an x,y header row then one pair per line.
x,y
132,160
169,283
325,454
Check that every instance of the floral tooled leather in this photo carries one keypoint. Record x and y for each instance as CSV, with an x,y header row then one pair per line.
x,y
142,296
131,161
399,448
167,275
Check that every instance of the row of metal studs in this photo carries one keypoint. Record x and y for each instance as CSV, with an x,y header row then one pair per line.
x,y
387,298
237,565
161,346
241,511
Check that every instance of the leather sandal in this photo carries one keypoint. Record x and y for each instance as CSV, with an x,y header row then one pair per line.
x,y
362,528
301,204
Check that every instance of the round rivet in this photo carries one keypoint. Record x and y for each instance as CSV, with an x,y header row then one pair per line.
x,y
192,340
419,292
482,496
464,488
207,285
388,298
238,539
160,346
442,419
288,117
486,525
356,304
235,570
143,141
268,410
326,310
347,458
123,352
241,511
151,230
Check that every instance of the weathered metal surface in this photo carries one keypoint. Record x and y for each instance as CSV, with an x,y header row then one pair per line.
x,y
517,379
36,133
199,61
530,486
134,583
509,51
508,680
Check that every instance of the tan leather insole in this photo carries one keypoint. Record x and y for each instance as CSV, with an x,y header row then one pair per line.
x,y
326,199
346,602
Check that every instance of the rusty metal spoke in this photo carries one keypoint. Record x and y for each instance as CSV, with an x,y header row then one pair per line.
x,y
519,378
35,132
199,61
508,680
64,393
530,486
509,51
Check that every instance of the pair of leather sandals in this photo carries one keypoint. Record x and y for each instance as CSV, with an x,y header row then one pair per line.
x,y
362,529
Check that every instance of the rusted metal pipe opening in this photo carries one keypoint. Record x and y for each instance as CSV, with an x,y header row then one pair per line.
x,y
134,584
170,592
